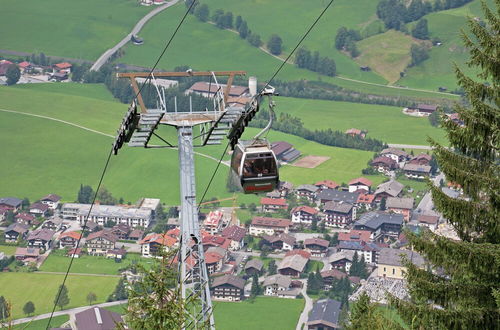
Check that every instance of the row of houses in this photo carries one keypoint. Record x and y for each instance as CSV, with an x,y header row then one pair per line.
x,y
392,159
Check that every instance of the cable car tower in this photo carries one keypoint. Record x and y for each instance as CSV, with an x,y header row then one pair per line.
x,y
222,121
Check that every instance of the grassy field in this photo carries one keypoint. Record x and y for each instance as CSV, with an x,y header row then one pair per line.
x,y
19,288
385,123
57,262
57,321
8,250
244,314
388,53
76,29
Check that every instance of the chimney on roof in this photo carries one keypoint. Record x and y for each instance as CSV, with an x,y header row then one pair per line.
x,y
98,315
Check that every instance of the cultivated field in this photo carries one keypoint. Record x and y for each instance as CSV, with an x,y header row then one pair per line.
x,y
75,29
19,288
310,161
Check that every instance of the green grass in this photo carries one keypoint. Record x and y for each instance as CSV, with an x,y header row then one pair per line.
x,y
19,288
56,321
385,123
388,53
8,250
57,262
76,29
259,314
313,265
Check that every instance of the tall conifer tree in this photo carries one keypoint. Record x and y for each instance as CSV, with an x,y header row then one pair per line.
x,y
467,295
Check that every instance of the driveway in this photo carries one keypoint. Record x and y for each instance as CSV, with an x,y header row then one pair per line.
x,y
307,307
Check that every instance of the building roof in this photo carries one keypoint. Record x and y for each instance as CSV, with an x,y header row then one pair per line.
x,y
273,201
285,238
302,253
41,234
394,151
422,156
254,263
63,65
358,246
389,162
215,240
361,180
11,201
400,203
337,196
234,233
51,197
316,241
25,216
212,257
325,311
40,206
270,222
235,281
348,254
355,235
162,239
333,273
429,219
27,251
205,87
24,64
392,257
110,211
417,168
295,262
149,203
136,233
214,218
105,234
97,318
365,198
373,220
280,147
306,209
391,187
339,207
280,280
428,107
354,131
71,234
17,227
327,183
309,187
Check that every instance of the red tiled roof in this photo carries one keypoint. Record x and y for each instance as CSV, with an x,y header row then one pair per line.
x,y
333,273
273,201
72,234
216,241
25,216
365,198
270,222
176,232
327,183
355,235
234,233
63,65
361,180
302,253
430,219
384,160
353,131
162,239
306,209
212,257
24,64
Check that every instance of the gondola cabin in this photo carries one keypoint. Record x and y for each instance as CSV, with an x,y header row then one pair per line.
x,y
255,164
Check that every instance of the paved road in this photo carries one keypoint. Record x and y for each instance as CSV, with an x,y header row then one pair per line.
x,y
70,312
426,205
107,54
409,146
307,307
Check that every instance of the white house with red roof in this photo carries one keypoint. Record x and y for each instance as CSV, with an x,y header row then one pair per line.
x,y
368,200
303,214
360,183
273,204
215,240
63,67
327,184
52,200
38,209
355,236
25,66
213,222
269,226
153,243
69,239
316,246
236,235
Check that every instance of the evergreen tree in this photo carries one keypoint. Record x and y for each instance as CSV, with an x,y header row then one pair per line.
x,y
4,309
29,308
13,74
303,58
366,316
218,19
188,4
420,31
274,44
255,290
243,29
383,202
312,284
202,12
120,292
314,224
418,53
238,22
254,39
272,268
62,298
467,295
105,197
85,194
227,20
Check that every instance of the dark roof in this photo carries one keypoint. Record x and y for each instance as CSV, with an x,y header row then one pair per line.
x,y
104,234
333,273
291,155
337,196
430,219
391,163
285,238
97,318
234,233
42,234
340,207
427,107
417,168
373,220
358,246
17,227
308,187
391,187
235,281
280,147
254,263
316,241
325,311
392,257
40,206
11,201
51,197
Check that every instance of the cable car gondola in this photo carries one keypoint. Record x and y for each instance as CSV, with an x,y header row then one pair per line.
x,y
254,163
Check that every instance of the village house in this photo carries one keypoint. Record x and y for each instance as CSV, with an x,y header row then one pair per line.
x,y
429,221
382,225
292,265
390,262
39,210
274,284
402,206
421,159
366,200
121,231
26,219
3,213
303,215
307,191
214,240
367,250
338,214
224,253
316,246
398,155
63,67
116,253
52,200
269,226
97,318
213,261
25,67
333,195
391,188
27,255
326,184
101,214
284,151
341,260
69,239
356,132
228,287
285,187
360,183
14,232
152,244
100,242
11,203
355,236
273,204
236,235
330,276
53,224
77,252
283,242
424,109
384,164
213,222
136,235
41,238
254,266
418,172
324,315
